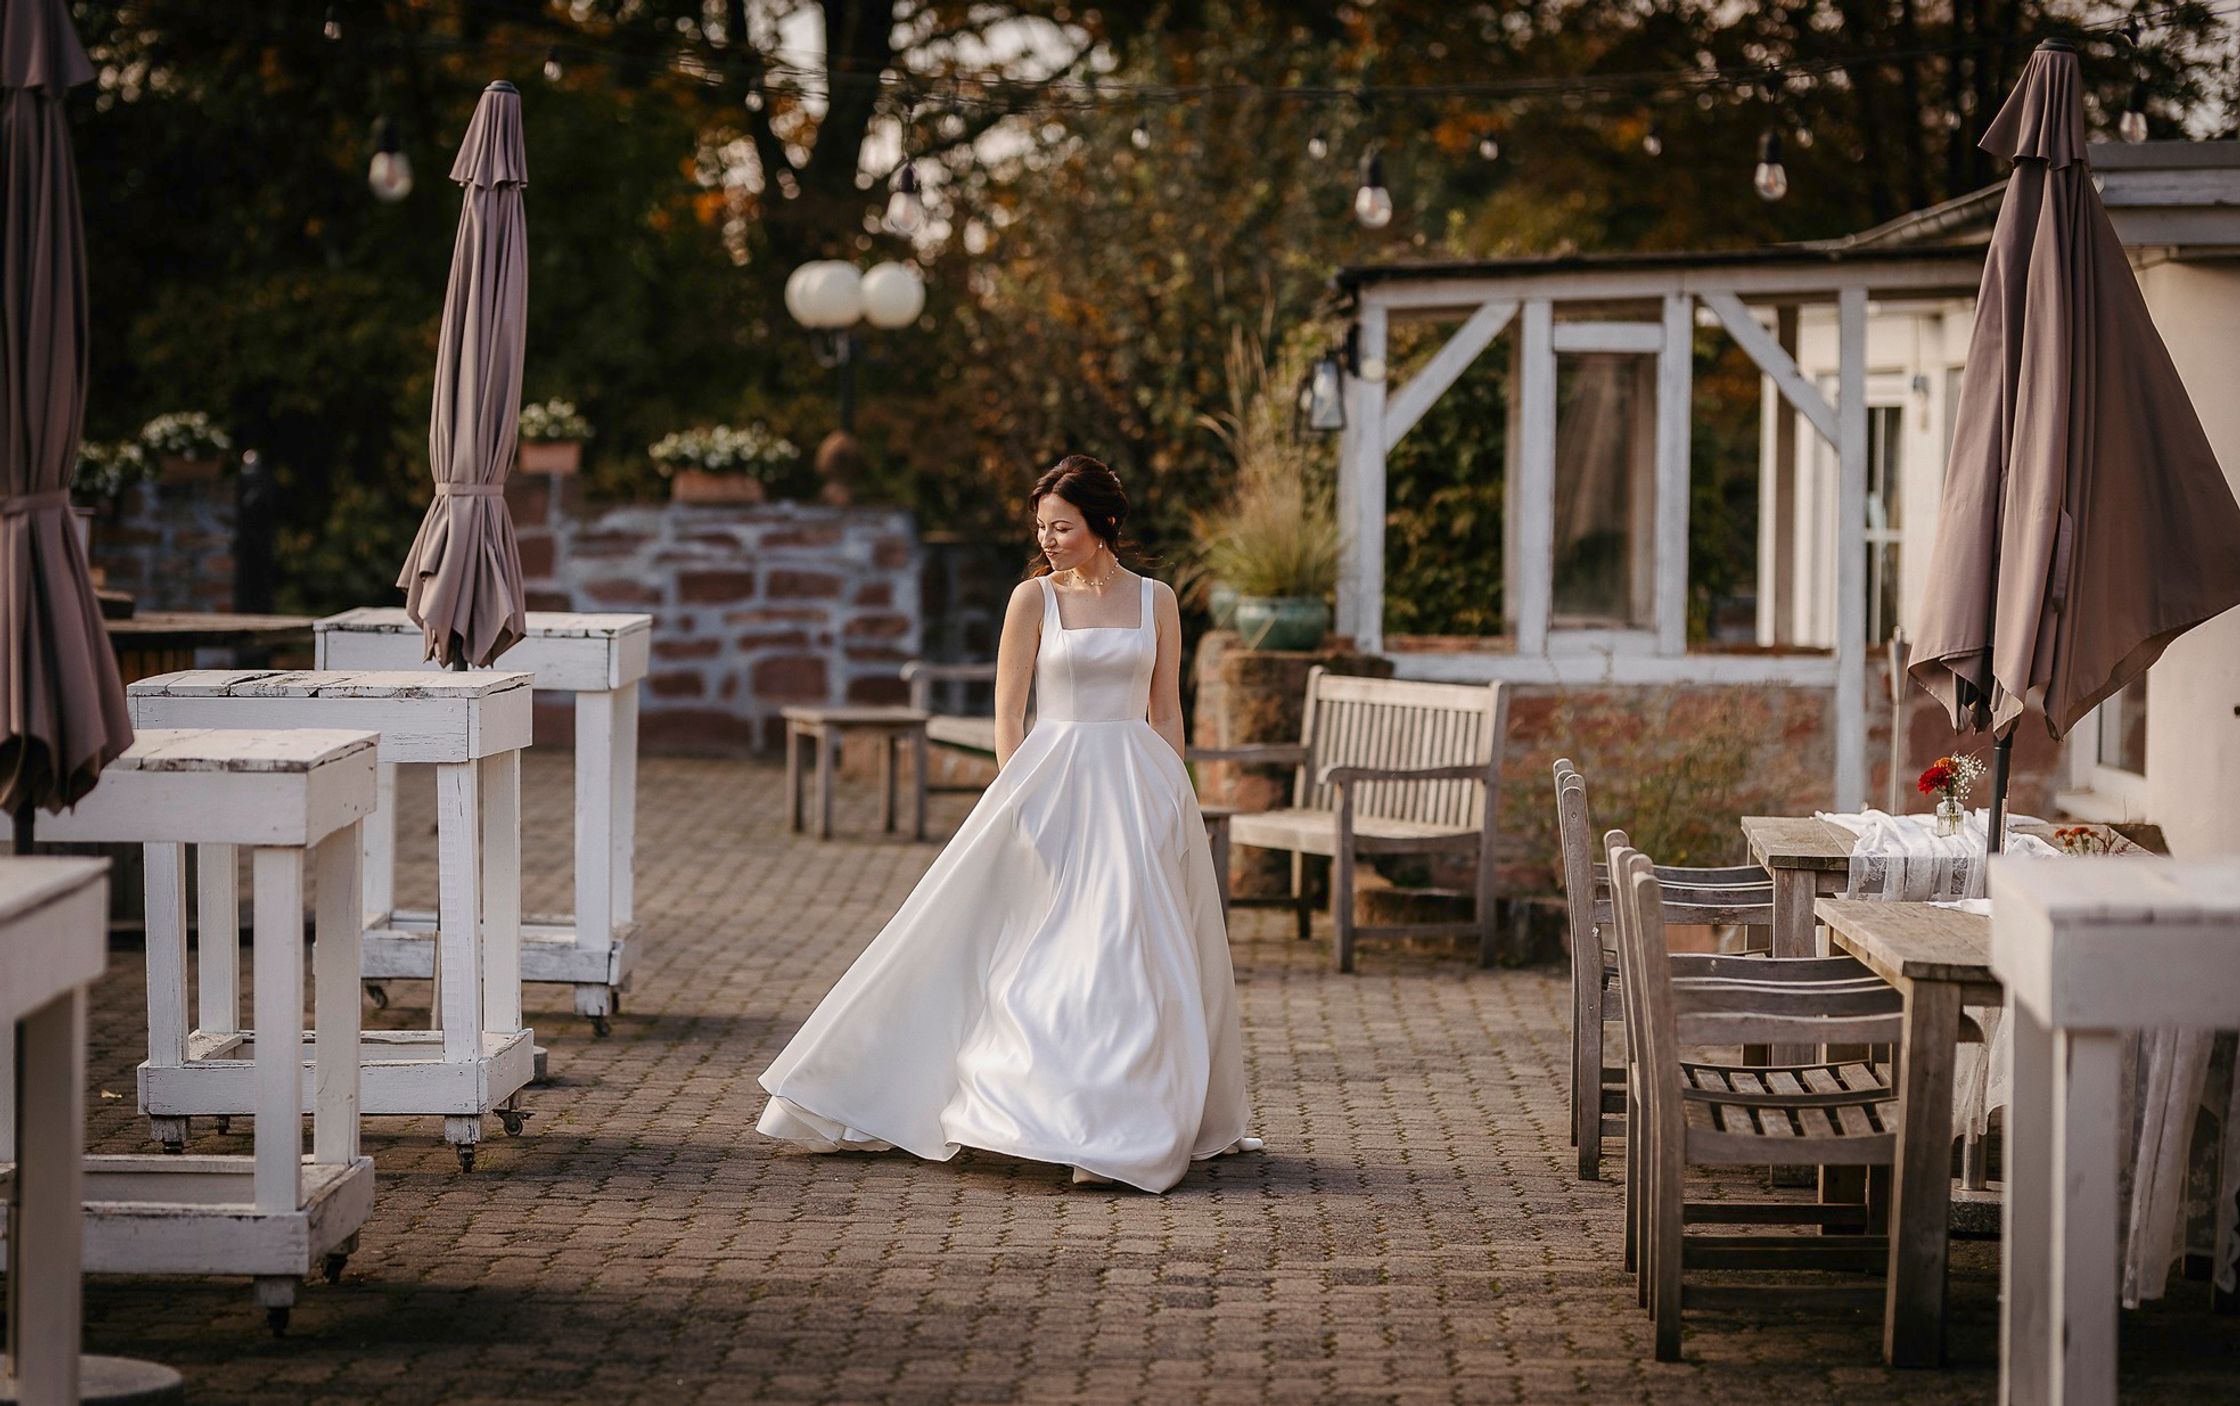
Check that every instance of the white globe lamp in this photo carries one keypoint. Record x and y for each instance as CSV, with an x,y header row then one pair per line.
x,y
797,292
833,296
893,295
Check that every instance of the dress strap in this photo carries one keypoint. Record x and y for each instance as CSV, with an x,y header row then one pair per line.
x,y
1049,601
1143,616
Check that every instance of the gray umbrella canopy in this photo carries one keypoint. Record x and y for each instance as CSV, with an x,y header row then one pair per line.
x,y
64,714
2085,522
462,580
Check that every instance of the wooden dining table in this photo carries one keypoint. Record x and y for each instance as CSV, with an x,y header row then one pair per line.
x,y
1939,959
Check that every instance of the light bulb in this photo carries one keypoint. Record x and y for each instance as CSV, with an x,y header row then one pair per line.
x,y
390,175
1771,178
1318,146
553,71
1804,138
1652,141
2132,126
1489,147
906,209
1372,204
333,27
1141,137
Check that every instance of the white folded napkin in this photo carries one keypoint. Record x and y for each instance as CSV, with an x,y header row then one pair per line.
x,y
1902,858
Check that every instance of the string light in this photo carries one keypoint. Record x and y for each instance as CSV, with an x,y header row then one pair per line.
x,y
1803,137
1140,138
553,70
906,208
2132,126
390,174
1318,145
1372,203
1652,141
333,27
1489,147
1771,178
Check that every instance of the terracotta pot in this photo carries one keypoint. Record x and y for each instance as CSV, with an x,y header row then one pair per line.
x,y
551,456
700,486
173,469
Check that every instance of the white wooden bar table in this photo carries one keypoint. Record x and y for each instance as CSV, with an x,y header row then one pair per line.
x,y
2089,948
600,659
471,727
53,944
294,800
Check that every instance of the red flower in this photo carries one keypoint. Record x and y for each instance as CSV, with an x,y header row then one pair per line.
x,y
1937,778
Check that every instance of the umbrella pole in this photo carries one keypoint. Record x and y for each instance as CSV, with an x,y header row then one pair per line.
x,y
2001,751
25,822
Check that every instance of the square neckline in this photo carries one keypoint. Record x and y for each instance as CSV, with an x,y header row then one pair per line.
x,y
1050,600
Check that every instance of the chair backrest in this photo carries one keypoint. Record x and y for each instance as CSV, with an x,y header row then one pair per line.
x,y
1646,964
1741,895
1575,837
1353,721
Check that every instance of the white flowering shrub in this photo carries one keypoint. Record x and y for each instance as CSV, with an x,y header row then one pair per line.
x,y
553,420
752,450
185,434
106,470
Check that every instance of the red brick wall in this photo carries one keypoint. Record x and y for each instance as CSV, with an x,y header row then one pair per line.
x,y
754,607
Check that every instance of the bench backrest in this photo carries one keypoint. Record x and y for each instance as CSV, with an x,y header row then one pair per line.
x,y
1354,721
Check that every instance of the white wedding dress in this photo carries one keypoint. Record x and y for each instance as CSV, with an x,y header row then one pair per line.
x,y
1057,987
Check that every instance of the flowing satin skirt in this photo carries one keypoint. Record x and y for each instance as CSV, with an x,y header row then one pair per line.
x,y
1057,987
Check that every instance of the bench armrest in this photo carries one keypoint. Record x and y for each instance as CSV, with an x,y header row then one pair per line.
x,y
1348,775
1252,754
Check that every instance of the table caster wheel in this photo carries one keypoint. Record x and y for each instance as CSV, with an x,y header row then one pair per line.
x,y
277,1320
224,1124
466,1156
379,995
513,1118
600,1027
333,1268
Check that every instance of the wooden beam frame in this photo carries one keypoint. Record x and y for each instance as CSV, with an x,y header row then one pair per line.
x,y
1532,486
1645,338
1423,389
1774,360
1675,397
1851,550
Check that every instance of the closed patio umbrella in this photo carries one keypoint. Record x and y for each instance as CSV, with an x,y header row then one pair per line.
x,y
2085,522
462,580
64,712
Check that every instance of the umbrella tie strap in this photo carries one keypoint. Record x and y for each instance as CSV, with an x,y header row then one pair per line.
x,y
27,503
470,490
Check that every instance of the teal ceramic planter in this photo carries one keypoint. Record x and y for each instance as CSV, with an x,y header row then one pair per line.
x,y
1282,622
1221,604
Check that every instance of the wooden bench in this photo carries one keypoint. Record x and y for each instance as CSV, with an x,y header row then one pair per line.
x,y
599,659
973,734
1384,766
470,727
294,798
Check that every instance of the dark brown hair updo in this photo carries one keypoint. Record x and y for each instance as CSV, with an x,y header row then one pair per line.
x,y
1094,489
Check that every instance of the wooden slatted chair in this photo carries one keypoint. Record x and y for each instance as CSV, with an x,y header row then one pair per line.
x,y
1384,766
1741,895
1691,1113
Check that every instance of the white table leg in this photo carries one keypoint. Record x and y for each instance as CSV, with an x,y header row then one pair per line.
x,y
458,1003
2083,1278
217,901
334,1123
625,804
378,867
277,950
167,972
46,1250
2026,1351
596,768
501,891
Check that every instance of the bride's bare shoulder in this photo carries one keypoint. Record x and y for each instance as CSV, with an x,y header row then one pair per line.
x,y
1026,593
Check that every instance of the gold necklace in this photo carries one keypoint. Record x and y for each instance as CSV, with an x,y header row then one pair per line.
x,y
1102,581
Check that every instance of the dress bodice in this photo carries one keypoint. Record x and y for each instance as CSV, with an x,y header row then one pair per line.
x,y
1094,673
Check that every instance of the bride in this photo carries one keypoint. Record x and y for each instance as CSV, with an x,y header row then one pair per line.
x,y
1058,986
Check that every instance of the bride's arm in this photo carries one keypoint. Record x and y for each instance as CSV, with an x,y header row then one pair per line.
x,y
1166,672
1015,651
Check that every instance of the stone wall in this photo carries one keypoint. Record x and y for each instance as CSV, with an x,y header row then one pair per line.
x,y
170,546
754,607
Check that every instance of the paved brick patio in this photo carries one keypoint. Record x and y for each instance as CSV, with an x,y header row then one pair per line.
x,y
1411,1234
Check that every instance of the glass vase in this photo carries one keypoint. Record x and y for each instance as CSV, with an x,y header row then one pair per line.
x,y
1952,816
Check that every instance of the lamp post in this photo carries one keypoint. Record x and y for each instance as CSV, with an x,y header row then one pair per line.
x,y
829,297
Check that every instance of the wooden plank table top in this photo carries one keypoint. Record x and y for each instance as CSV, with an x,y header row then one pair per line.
x,y
191,629
1797,842
1904,943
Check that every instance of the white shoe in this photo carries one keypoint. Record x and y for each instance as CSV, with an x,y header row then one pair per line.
x,y
1084,1177
1243,1144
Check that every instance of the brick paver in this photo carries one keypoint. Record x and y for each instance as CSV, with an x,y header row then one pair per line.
x,y
1411,1234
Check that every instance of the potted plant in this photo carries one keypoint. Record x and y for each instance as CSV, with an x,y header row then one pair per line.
x,y
552,436
723,463
185,447
1274,543
1949,780
104,474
